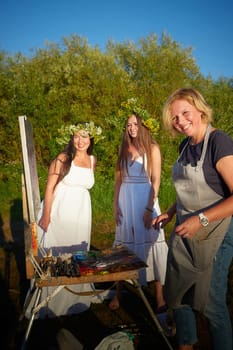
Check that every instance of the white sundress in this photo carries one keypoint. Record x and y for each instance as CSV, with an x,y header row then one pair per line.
x,y
69,230
71,216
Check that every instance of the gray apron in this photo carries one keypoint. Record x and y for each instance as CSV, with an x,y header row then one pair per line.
x,y
190,260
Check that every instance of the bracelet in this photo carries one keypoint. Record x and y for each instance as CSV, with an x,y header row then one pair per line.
x,y
149,209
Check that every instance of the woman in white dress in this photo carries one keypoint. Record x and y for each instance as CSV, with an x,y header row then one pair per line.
x,y
137,185
64,223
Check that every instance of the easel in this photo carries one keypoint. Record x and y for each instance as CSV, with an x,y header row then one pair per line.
x,y
59,283
31,206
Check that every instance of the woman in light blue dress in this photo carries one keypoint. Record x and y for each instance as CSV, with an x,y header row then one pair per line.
x,y
136,203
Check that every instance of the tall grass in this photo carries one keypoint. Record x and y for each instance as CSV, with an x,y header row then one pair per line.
x,y
103,226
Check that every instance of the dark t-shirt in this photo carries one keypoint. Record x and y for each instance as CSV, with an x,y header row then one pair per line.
x,y
219,145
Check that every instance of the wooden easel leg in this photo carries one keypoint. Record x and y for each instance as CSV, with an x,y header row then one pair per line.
x,y
29,327
151,312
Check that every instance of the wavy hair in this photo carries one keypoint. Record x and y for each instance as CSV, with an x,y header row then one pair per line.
x,y
142,143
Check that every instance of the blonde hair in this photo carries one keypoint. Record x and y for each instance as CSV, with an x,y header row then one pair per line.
x,y
193,97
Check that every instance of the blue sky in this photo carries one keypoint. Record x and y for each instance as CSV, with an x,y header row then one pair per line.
x,y
205,26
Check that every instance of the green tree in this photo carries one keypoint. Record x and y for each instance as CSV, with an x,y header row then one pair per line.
x,y
74,82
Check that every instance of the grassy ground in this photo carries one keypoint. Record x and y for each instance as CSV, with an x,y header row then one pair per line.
x,y
89,327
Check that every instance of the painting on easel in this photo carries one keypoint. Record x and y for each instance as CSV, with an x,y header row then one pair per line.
x,y
30,191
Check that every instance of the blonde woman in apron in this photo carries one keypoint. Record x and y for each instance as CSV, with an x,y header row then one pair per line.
x,y
201,245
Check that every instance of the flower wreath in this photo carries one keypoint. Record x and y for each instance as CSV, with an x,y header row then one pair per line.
x,y
130,106
89,129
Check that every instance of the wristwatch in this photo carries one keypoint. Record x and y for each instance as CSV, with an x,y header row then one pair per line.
x,y
203,220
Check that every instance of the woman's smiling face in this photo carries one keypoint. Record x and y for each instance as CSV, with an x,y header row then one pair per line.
x,y
81,140
185,117
132,126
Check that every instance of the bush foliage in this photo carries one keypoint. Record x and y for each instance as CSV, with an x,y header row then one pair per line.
x,y
71,82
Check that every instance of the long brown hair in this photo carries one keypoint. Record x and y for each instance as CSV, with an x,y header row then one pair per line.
x,y
142,143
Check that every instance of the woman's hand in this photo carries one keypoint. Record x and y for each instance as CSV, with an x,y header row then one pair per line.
x,y
161,221
147,218
189,227
44,222
118,215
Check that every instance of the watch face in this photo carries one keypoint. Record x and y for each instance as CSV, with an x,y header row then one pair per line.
x,y
203,220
